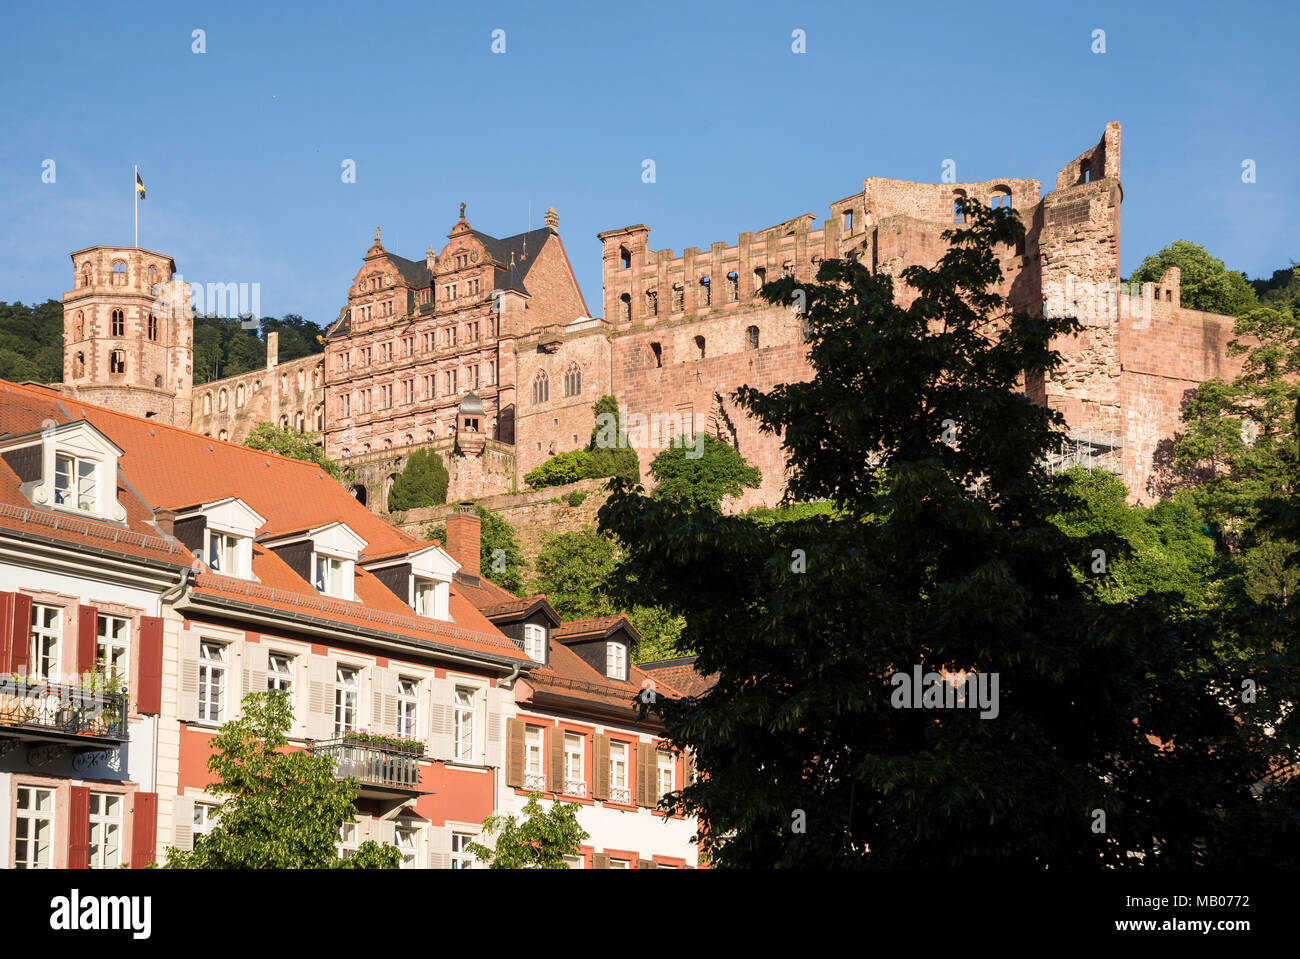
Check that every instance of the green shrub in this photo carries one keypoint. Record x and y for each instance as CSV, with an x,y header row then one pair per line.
x,y
422,483
576,497
560,469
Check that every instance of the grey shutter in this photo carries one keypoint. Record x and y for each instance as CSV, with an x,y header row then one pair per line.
x,y
440,847
384,832
255,668
441,737
189,667
379,680
183,823
320,700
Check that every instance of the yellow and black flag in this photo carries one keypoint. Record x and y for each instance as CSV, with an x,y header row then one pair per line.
x,y
139,185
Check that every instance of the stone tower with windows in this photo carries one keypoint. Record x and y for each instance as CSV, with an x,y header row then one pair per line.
x,y
128,335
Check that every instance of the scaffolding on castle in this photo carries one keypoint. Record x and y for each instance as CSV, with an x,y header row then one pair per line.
x,y
1092,449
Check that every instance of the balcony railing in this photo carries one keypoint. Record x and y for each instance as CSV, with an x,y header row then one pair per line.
x,y
575,787
61,708
371,764
535,782
620,795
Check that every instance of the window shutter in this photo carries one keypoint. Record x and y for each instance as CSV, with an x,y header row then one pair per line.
x,y
87,627
378,686
79,827
183,823
189,705
645,863
555,739
441,735
600,775
254,668
320,704
6,630
600,861
384,832
514,752
440,847
148,698
390,712
647,774
20,633
144,829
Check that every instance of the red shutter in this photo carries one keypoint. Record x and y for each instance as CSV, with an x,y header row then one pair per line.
x,y
144,829
149,697
87,638
6,630
79,828
20,633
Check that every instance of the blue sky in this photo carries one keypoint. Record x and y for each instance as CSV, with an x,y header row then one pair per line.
x,y
241,147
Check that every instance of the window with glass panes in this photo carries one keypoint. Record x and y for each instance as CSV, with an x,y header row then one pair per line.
x,y
113,643
212,681
574,781
464,727
535,642
667,767
347,690
461,857
329,575
347,840
34,828
105,830
74,483
404,839
534,778
205,817
223,553
615,660
47,625
408,706
279,673
618,791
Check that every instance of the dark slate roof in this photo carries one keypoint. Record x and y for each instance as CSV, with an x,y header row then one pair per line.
x,y
513,248
415,272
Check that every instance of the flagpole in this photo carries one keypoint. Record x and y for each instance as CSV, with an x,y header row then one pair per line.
x,y
136,190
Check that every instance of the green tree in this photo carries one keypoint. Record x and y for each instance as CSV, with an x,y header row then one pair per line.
x,y
31,342
560,469
611,454
704,481
295,444
941,554
1205,283
500,558
422,482
541,841
281,809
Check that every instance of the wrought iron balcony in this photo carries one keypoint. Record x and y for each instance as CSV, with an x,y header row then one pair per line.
x,y
575,787
372,764
59,711
620,795
535,782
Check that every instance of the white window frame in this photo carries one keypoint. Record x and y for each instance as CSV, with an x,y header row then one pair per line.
x,y
464,707
106,830
43,656
347,698
615,660
225,553
113,648
348,843
84,492
214,672
205,817
31,824
619,863
329,575
574,862
408,707
665,763
618,791
408,849
461,858
535,642
281,679
575,785
534,758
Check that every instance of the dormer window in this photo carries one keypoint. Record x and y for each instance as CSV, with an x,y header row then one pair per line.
x,y
616,661
432,599
333,576
223,554
75,485
535,642
220,533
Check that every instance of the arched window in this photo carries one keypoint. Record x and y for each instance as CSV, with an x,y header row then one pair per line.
x,y
117,361
284,422
957,197
79,328
223,401
751,338
1085,172
239,395
1001,198
284,383
298,421
79,365
652,303
152,276
760,277
157,380
573,380
318,418
85,274
302,379
658,352
153,327
699,345
624,258
625,308
706,291
541,387
207,404
410,440
117,326
223,435
119,273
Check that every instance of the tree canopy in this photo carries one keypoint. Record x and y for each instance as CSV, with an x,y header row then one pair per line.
x,y
290,442
500,558
1206,284
540,841
1093,730
704,481
224,347
422,482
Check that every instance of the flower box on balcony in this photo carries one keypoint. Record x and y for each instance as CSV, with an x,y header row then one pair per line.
x,y
390,743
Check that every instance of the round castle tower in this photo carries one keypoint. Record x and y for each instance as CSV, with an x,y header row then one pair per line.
x,y
128,334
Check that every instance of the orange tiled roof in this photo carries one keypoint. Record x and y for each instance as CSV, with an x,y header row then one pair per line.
x,y
599,626
682,674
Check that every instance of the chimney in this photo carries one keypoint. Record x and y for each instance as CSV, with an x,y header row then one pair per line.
x,y
272,349
463,532
165,520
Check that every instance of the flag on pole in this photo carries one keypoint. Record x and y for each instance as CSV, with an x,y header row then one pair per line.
x,y
139,185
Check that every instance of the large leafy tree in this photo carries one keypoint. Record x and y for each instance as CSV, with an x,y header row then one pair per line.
x,y
1110,741
31,342
295,444
703,481
422,482
1206,284
281,809
223,346
540,841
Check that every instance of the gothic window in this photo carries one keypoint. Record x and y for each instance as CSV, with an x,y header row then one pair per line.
x,y
298,421
751,338
157,381
658,352
223,435
625,308
541,387
207,404
119,273
699,345
284,422
733,287
118,324
85,274
573,380
1001,199
318,419
651,303
223,401
239,395
153,327
152,275
624,258
117,361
